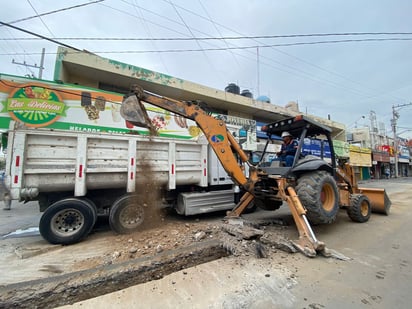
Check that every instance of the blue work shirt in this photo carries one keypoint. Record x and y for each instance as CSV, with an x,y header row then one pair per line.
x,y
289,149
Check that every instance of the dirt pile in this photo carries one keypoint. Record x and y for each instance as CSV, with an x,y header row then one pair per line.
x,y
151,241
237,237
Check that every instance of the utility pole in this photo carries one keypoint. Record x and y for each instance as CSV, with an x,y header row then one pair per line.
x,y
41,67
395,117
258,71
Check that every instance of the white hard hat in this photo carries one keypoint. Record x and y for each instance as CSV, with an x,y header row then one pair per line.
x,y
285,133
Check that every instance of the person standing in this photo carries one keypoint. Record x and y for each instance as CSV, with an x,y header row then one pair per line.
x,y
387,172
288,149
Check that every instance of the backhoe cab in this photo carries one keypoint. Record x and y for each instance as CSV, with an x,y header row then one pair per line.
x,y
313,188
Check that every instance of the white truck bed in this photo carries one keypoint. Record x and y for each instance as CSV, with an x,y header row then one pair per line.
x,y
40,160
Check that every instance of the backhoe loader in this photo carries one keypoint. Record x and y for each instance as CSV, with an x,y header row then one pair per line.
x,y
313,189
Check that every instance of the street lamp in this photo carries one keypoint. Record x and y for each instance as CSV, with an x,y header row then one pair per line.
x,y
347,127
356,122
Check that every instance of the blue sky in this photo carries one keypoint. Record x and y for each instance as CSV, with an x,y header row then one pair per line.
x,y
345,80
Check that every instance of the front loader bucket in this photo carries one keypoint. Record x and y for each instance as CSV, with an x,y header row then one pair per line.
x,y
380,201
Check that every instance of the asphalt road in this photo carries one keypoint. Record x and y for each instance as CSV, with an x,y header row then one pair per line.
x,y
378,273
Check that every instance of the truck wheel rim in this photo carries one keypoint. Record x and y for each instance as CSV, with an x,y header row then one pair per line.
x,y
131,216
67,222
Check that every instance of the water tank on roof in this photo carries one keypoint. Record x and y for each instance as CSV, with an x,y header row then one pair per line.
x,y
246,93
263,98
232,88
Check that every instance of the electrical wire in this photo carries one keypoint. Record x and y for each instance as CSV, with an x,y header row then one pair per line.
x,y
218,31
148,31
297,58
55,11
192,35
184,50
38,35
221,38
41,19
240,37
325,81
263,37
213,49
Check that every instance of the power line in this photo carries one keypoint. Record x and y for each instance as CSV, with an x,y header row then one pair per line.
x,y
211,49
192,34
41,19
148,31
151,20
280,51
208,49
218,31
244,37
221,38
215,48
55,11
38,35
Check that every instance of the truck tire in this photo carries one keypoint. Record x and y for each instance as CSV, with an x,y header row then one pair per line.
x,y
126,215
360,208
67,221
318,193
93,205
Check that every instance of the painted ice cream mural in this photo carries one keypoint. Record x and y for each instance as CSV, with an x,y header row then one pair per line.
x,y
44,104
41,104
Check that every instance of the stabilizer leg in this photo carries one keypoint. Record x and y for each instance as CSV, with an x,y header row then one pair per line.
x,y
307,242
241,206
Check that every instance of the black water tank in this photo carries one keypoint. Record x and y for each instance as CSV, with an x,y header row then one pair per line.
x,y
247,93
233,88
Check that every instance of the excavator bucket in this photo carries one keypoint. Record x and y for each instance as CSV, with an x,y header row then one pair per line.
x,y
378,198
133,111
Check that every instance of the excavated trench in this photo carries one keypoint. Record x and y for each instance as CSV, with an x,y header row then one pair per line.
x,y
77,286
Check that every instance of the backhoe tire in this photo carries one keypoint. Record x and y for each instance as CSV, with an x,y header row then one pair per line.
x,y
250,208
318,193
126,215
267,203
67,221
360,208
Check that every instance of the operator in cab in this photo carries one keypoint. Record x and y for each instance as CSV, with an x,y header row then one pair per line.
x,y
288,150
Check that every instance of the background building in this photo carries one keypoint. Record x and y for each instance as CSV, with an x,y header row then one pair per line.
x,y
90,70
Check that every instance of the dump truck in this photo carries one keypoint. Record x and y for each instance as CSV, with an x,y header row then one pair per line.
x,y
68,148
76,176
313,189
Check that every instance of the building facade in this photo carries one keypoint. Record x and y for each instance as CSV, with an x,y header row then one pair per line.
x,y
387,156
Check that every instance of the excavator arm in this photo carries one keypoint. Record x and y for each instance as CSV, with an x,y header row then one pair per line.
x,y
224,145
220,139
